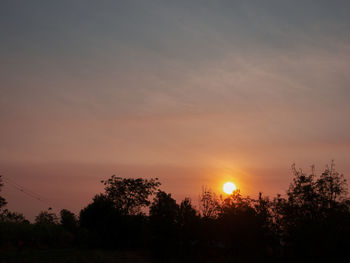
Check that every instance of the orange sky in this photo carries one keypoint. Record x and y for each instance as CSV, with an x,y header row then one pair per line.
x,y
195,93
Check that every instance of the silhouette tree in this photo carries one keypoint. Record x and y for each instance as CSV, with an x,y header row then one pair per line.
x,y
46,218
189,225
130,195
302,194
102,219
2,200
12,217
297,215
164,209
163,219
314,217
311,197
68,220
262,208
99,213
209,203
240,227
116,216
5,214
187,214
331,187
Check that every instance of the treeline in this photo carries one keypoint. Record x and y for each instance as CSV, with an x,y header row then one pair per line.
x,y
311,222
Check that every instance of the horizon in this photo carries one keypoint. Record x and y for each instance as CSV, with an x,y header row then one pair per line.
x,y
68,196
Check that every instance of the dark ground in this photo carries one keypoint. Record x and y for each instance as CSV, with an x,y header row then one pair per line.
x,y
73,256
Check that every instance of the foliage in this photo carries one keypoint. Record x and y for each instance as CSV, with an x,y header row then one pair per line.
x,y
331,187
209,203
100,217
68,220
46,218
2,200
108,228
187,214
239,225
12,217
130,195
314,217
163,219
164,209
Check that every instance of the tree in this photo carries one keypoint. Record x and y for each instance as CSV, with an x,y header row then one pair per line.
x,y
46,218
2,200
209,204
187,214
12,217
240,227
104,222
262,207
302,195
107,227
310,196
163,218
331,187
99,213
130,195
314,218
68,220
188,220
164,209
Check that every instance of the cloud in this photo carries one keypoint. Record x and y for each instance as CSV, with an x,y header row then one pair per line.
x,y
235,85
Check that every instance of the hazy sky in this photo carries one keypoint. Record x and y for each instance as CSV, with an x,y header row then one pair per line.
x,y
192,92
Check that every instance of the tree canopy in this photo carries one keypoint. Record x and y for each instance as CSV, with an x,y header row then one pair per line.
x,y
46,218
2,200
130,195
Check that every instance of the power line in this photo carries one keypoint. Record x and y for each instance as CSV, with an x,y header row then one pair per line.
x,y
26,191
35,195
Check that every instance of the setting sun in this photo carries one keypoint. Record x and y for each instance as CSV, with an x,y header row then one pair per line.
x,y
229,187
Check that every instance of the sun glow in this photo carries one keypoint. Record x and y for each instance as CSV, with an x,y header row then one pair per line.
x,y
229,187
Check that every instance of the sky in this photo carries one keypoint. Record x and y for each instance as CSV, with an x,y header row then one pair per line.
x,y
195,93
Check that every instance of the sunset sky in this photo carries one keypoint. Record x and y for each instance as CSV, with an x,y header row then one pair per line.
x,y
192,92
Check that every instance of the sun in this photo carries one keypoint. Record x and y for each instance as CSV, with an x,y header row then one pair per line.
x,y
229,187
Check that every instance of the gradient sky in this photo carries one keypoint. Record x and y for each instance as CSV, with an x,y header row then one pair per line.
x,y
192,92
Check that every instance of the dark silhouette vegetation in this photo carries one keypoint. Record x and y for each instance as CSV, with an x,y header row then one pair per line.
x,y
310,223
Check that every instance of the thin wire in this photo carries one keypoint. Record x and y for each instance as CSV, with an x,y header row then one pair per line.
x,y
25,191
24,188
